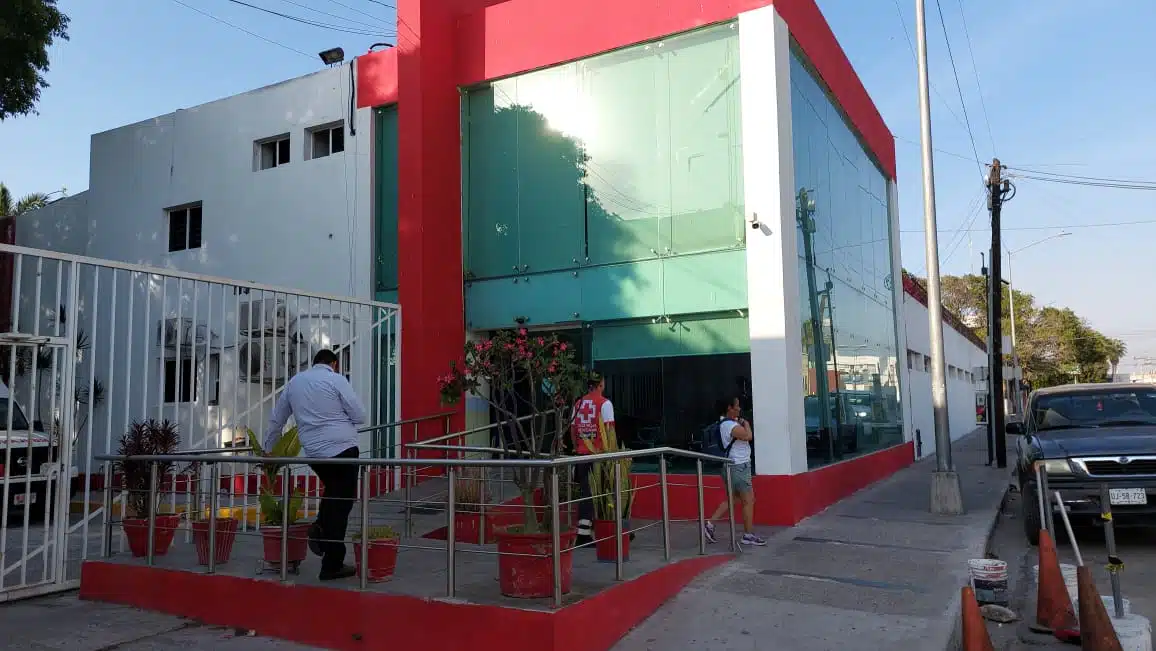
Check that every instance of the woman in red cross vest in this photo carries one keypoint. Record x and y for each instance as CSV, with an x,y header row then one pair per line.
x,y
591,432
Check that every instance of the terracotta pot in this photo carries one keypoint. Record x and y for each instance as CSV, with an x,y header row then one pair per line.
x,y
382,559
605,548
226,535
296,549
137,532
531,576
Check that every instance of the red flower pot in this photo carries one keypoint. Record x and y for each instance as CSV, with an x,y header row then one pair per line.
x,y
382,559
468,526
226,534
296,549
137,532
531,575
605,548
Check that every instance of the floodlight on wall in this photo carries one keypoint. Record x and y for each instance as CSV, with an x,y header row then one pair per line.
x,y
332,56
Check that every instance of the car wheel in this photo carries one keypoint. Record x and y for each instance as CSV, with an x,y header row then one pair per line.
x,y
1030,509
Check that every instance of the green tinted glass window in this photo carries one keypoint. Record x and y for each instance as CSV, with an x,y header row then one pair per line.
x,y
385,226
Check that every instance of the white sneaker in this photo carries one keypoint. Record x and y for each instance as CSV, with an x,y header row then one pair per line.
x,y
752,539
708,528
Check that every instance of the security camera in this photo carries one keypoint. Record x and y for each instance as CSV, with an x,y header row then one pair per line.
x,y
755,224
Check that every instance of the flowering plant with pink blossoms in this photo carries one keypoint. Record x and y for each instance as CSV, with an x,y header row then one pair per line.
x,y
532,381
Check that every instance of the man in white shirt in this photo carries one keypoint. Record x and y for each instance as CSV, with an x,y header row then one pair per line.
x,y
327,412
737,435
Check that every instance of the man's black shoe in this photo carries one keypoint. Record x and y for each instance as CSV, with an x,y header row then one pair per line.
x,y
315,539
583,541
345,572
631,536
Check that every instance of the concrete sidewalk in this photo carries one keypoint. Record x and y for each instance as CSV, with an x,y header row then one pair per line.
x,y
874,571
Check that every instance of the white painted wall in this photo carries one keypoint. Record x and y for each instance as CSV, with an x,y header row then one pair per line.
x,y
958,351
305,225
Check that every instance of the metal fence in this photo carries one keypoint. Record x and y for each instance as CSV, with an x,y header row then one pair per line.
x,y
90,346
369,500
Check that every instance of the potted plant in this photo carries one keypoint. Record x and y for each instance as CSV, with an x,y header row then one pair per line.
x,y
469,495
273,507
382,553
147,437
607,512
226,535
538,373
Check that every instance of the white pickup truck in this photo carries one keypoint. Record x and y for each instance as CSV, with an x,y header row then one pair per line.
x,y
25,448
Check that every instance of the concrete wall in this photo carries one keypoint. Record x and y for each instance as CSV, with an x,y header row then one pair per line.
x,y
960,352
305,225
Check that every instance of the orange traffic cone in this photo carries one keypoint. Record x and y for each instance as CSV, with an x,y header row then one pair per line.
x,y
975,636
1054,613
1096,630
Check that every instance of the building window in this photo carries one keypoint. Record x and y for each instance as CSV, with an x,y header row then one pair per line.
x,y
188,384
271,152
184,228
326,140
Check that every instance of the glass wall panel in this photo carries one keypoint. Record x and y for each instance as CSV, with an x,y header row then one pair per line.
x,y
627,156
851,401
385,228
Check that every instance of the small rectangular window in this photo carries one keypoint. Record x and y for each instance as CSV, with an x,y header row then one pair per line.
x,y
326,140
184,385
184,228
272,152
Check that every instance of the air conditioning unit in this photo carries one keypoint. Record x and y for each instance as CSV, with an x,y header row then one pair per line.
x,y
265,315
264,360
173,332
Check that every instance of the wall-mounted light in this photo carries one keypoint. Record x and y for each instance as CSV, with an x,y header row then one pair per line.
x,y
332,56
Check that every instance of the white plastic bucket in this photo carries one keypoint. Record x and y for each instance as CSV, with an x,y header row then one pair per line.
x,y
1134,632
989,580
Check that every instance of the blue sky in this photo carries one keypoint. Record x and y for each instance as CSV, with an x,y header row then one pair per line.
x,y
1067,90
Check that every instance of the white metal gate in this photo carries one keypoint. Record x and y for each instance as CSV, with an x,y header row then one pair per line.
x,y
126,342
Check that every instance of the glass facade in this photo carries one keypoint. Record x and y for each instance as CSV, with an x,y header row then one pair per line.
x,y
625,157
385,218
847,311
606,195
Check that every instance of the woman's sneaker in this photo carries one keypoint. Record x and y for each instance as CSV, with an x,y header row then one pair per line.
x,y
708,529
752,539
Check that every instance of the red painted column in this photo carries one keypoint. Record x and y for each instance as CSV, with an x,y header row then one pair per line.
x,y
429,206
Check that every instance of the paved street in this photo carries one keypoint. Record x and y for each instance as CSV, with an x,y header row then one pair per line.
x,y
1136,546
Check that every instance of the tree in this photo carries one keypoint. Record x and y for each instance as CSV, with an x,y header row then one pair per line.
x,y
27,203
27,29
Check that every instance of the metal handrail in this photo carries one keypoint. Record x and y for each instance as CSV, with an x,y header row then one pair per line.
x,y
553,464
472,430
407,421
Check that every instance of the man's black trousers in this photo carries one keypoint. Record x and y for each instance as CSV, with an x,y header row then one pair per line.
x,y
340,485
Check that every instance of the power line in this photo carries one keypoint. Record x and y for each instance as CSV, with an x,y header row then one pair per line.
x,y
242,29
1138,222
911,47
1078,177
384,4
312,23
358,11
325,13
959,88
1092,184
975,69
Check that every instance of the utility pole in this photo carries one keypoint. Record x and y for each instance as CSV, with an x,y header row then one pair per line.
x,y
990,432
805,215
995,187
946,496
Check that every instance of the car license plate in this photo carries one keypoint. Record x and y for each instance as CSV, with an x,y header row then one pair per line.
x,y
1128,496
22,498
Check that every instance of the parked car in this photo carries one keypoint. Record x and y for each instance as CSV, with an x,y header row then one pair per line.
x,y
22,468
1086,436
845,419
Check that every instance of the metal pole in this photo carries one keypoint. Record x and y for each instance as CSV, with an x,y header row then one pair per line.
x,y
366,478
946,495
152,508
701,511
1041,495
995,325
931,245
1114,562
286,476
556,537
731,507
1050,520
618,521
214,498
1068,528
482,506
451,533
106,537
665,508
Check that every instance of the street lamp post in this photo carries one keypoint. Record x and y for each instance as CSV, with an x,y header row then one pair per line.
x,y
1012,297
